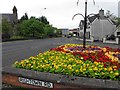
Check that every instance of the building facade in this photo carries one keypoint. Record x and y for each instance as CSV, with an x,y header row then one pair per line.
x,y
11,17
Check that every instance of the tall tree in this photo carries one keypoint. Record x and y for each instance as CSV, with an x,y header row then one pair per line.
x,y
44,20
24,17
110,15
49,30
31,27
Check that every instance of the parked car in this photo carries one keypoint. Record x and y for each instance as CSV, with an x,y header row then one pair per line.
x,y
68,36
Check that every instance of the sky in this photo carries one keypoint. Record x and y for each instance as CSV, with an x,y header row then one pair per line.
x,y
58,12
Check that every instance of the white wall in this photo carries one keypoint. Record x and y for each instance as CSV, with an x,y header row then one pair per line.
x,y
100,28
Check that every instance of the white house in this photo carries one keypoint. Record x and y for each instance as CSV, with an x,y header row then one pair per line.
x,y
98,26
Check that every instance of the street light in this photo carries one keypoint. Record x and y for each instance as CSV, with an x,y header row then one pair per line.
x,y
84,38
41,10
85,21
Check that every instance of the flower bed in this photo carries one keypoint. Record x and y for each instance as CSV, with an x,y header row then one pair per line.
x,y
73,60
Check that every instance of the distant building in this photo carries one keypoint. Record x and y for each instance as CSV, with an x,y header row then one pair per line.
x,y
119,9
11,17
74,31
65,31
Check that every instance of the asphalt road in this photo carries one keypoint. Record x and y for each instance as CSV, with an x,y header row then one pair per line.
x,y
18,50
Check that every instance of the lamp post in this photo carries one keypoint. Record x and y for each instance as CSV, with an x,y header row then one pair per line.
x,y
41,11
85,25
85,22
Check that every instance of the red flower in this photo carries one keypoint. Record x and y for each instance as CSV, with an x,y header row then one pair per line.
x,y
86,57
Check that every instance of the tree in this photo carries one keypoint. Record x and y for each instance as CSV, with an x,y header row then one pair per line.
x,y
31,27
6,28
24,17
117,20
44,20
110,15
49,30
58,32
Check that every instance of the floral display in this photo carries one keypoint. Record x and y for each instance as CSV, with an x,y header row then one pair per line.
x,y
74,60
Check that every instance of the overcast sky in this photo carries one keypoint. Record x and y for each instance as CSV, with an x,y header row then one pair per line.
x,y
58,12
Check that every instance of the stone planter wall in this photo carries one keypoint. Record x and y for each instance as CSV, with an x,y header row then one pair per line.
x,y
11,76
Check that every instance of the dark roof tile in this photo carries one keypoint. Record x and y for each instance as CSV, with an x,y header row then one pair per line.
x,y
9,17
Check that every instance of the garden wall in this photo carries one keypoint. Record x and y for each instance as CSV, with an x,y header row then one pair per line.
x,y
46,81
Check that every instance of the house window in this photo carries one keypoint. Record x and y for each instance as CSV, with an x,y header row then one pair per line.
x,y
88,23
118,33
88,27
88,35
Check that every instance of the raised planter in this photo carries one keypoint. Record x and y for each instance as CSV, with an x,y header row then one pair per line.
x,y
46,81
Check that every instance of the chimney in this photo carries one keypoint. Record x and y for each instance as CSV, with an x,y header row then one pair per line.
x,y
101,13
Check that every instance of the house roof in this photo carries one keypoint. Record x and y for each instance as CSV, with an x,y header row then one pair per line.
x,y
92,18
9,17
114,22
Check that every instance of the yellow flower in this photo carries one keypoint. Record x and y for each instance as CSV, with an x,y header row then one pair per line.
x,y
81,58
32,57
76,71
116,74
96,63
73,65
105,69
103,73
29,64
90,69
81,69
111,72
95,69
70,67
56,67
104,49
114,66
110,69
84,69
16,62
87,65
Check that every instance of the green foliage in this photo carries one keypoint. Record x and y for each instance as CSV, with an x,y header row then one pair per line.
x,y
57,32
35,27
49,30
43,19
6,28
24,17
117,20
16,37
111,15
31,27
